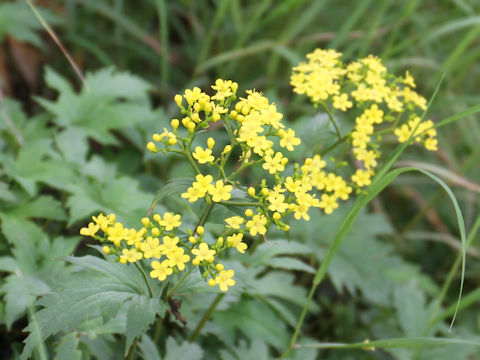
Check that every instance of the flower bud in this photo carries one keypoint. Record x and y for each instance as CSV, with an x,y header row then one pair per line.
x,y
210,143
151,147
251,191
174,123
106,250
145,221
185,121
178,100
196,117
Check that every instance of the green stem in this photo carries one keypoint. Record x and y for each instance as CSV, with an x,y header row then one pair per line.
x,y
243,166
179,283
205,317
201,222
451,275
158,329
300,321
330,115
240,203
205,214
230,132
334,145
150,292
191,161
131,350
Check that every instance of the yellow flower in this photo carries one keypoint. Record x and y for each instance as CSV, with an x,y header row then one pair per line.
x,y
224,88
131,256
203,156
235,241
90,230
257,225
224,279
134,236
275,164
177,258
169,244
203,183
192,194
328,203
362,177
220,191
104,221
408,80
288,139
117,233
234,222
160,270
277,203
301,210
151,248
341,102
203,253
170,221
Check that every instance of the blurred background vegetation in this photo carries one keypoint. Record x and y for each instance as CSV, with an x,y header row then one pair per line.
x,y
68,152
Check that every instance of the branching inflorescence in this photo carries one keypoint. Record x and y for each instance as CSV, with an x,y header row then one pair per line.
x,y
257,137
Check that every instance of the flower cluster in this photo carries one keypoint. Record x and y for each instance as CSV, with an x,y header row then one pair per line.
x,y
258,137
366,87
160,242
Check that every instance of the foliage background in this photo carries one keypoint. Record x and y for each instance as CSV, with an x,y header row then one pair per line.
x,y
68,152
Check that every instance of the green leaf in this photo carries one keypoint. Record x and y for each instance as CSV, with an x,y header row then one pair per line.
x,y
100,288
44,207
174,187
278,247
184,350
407,343
255,319
26,238
140,315
289,263
148,348
17,20
115,100
20,291
109,82
6,194
57,82
412,315
67,348
257,350
120,196
72,143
